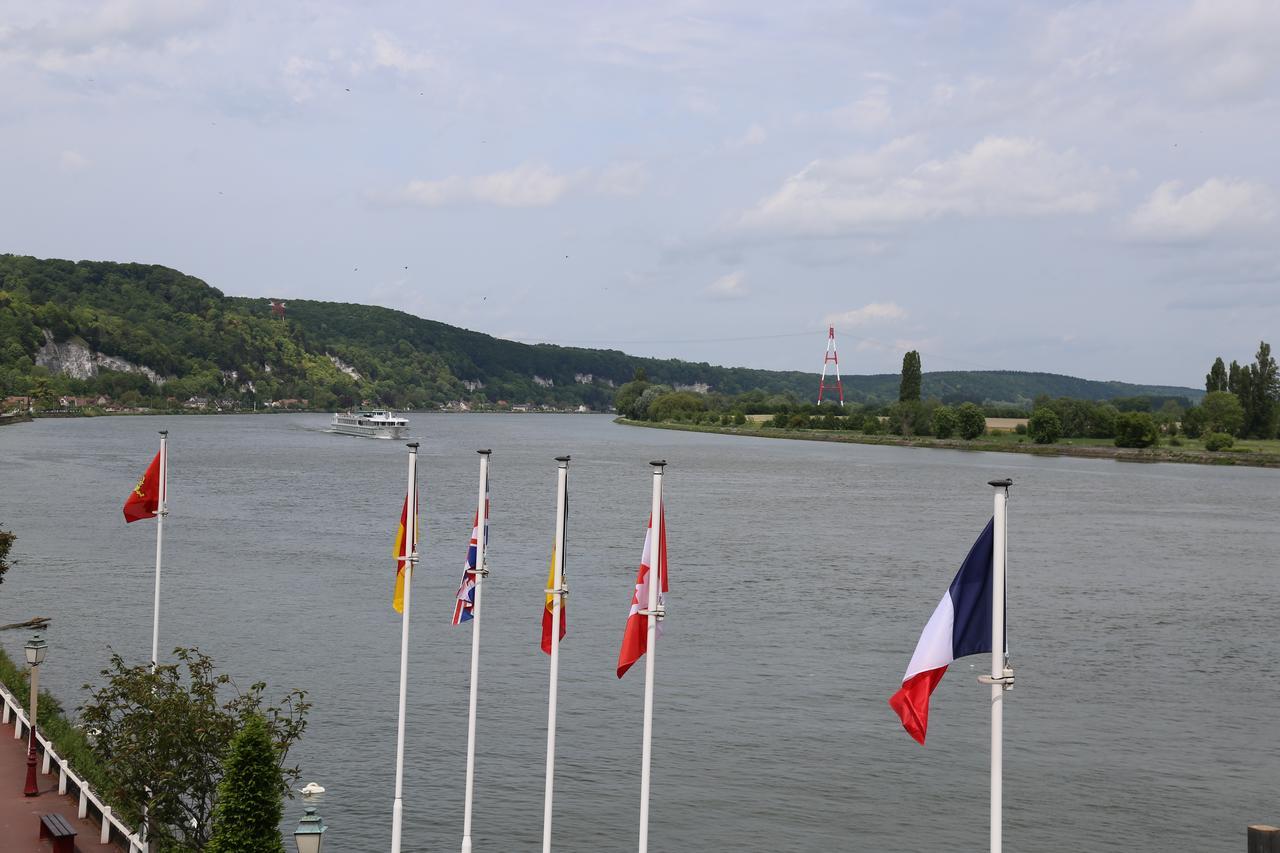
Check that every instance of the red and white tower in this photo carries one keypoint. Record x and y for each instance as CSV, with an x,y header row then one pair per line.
x,y
831,358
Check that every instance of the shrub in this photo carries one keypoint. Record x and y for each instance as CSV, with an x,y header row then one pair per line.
x,y
1020,429
1044,426
798,422
780,420
945,422
871,425
1218,441
1136,429
971,423
250,802
739,419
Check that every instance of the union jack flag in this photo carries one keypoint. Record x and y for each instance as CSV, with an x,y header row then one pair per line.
x,y
465,604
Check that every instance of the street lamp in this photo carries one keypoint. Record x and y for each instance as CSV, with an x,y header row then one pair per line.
x,y
35,648
309,836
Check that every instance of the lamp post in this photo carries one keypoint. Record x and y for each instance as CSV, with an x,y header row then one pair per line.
x,y
309,836
35,648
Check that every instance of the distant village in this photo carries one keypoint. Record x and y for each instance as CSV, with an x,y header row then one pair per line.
x,y
73,406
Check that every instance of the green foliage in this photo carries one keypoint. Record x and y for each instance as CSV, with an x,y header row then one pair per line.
x,y
1218,441
1216,378
250,801
6,543
871,425
624,401
666,406
162,735
1044,426
971,423
739,418
945,422
780,420
1020,429
1136,429
1220,412
909,388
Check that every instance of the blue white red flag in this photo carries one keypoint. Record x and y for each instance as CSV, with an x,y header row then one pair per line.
x,y
465,602
959,626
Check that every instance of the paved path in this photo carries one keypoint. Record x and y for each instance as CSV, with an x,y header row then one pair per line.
x,y
20,815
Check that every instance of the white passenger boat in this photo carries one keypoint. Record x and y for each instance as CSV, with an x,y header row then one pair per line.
x,y
370,423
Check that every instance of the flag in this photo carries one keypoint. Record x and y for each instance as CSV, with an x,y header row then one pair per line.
x,y
144,500
959,626
550,602
465,602
635,639
404,549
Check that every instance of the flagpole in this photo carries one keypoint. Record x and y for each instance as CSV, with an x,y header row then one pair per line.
x,y
411,533
653,613
556,592
161,511
478,572
1001,678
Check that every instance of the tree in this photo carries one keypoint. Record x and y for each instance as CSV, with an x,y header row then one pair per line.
x,y
1136,429
1044,426
871,425
1216,378
909,390
6,542
1264,394
1218,441
945,422
163,734
1220,411
250,796
971,422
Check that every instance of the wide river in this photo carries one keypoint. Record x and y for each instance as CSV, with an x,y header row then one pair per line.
x,y
1143,603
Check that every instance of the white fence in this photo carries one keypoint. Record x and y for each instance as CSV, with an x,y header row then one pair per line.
x,y
88,799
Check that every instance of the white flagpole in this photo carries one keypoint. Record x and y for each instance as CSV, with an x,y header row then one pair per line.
x,y
411,534
557,593
653,614
161,511
478,572
1001,678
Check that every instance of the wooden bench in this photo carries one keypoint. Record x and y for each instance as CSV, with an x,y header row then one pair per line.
x,y
55,826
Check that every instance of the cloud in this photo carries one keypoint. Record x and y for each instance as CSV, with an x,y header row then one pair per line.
x,y
386,52
728,286
1218,206
72,161
754,135
1226,48
875,312
870,112
892,186
527,185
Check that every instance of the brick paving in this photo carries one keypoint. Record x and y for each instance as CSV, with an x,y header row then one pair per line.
x,y
20,815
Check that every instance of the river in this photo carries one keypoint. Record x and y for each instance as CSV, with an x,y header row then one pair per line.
x,y
1142,626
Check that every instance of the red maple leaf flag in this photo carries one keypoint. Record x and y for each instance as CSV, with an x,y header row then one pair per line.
x,y
635,640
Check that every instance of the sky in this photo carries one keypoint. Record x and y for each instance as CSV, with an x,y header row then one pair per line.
x,y
1085,188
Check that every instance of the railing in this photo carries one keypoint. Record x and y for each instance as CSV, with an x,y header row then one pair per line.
x,y
88,799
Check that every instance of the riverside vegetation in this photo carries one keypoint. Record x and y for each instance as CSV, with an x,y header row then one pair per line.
x,y
1236,420
150,337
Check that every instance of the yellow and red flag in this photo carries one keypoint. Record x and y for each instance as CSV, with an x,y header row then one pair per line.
x,y
144,500
405,546
550,603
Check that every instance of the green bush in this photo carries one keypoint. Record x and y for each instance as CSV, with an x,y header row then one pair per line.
x,y
780,420
871,425
971,423
1020,429
798,422
250,802
1218,441
1044,426
1136,429
739,419
945,422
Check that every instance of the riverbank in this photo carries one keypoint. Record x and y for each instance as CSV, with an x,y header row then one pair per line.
x,y
15,418
1250,457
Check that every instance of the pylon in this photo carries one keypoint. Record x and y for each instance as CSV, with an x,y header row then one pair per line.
x,y
831,358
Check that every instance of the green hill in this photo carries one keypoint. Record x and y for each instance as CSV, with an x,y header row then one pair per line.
x,y
92,327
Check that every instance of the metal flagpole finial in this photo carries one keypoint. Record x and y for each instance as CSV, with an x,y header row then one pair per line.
x,y
484,452
164,432
413,445
658,463
563,460
1001,484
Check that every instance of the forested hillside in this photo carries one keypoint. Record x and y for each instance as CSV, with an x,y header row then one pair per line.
x,y
149,335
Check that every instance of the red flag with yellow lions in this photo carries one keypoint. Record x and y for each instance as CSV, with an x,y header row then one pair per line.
x,y
144,500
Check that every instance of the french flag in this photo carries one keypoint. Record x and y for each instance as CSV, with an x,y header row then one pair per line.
x,y
961,625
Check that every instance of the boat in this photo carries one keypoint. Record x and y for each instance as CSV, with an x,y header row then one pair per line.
x,y
370,423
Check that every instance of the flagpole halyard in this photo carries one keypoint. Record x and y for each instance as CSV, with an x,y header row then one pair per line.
x,y
161,511
652,615
411,552
479,571
1001,678
557,593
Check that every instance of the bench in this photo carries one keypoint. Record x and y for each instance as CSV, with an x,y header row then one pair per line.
x,y
55,826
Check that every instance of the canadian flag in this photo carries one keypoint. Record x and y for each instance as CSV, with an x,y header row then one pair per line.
x,y
635,640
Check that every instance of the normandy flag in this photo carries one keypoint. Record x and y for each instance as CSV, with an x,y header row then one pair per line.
x,y
144,500
959,626
635,639
404,549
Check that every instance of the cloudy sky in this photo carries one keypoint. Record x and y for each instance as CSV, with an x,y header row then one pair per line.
x,y
1088,188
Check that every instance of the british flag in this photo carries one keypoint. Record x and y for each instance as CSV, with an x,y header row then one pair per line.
x,y
466,599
